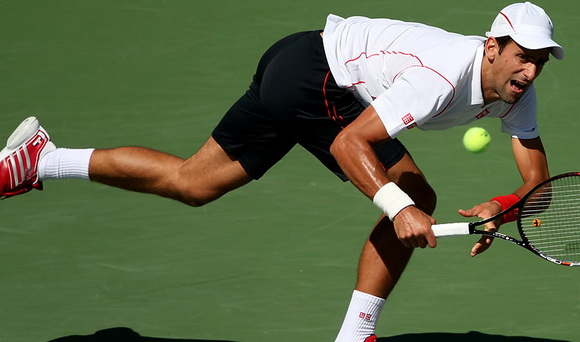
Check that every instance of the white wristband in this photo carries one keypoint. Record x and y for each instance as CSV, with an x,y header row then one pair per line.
x,y
391,200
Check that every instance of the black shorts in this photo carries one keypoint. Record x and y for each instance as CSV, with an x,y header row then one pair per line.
x,y
293,99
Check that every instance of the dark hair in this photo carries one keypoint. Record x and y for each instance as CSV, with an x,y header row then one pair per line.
x,y
502,42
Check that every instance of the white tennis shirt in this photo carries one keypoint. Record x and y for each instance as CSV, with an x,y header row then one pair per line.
x,y
416,75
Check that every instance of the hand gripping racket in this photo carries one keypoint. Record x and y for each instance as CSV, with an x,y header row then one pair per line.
x,y
548,220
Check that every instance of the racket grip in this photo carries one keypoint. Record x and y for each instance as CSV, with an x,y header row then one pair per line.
x,y
450,229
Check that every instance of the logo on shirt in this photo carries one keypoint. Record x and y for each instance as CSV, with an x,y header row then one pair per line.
x,y
408,120
482,114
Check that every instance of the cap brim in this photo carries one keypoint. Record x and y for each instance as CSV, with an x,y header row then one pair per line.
x,y
536,43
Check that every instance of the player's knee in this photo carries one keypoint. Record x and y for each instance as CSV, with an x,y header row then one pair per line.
x,y
421,192
194,193
428,200
195,202
197,197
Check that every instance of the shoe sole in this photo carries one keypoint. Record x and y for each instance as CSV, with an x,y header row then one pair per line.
x,y
26,130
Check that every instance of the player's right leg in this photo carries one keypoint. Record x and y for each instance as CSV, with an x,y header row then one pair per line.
x,y
246,143
204,177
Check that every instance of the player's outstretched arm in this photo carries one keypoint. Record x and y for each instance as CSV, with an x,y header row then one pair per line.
x,y
532,163
530,158
483,211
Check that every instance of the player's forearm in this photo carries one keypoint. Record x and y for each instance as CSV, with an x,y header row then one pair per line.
x,y
532,163
359,162
353,150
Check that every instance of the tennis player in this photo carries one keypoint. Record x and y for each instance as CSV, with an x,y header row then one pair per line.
x,y
344,94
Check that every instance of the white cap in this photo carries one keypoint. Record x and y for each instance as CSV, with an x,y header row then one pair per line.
x,y
528,25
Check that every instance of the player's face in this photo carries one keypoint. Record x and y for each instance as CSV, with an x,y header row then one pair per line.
x,y
514,70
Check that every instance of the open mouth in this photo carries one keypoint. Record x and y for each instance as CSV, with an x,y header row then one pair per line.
x,y
517,86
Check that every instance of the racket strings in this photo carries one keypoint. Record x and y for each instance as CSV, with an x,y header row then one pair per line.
x,y
550,219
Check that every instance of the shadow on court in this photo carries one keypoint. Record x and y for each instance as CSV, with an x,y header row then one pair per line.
x,y
122,335
472,336
128,335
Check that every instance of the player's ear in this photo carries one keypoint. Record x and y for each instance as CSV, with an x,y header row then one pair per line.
x,y
491,48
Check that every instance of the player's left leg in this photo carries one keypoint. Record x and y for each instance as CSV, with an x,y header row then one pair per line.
x,y
383,258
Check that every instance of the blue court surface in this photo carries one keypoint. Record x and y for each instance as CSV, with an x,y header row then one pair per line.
x,y
276,260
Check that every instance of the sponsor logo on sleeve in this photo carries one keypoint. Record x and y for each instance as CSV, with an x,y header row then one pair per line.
x,y
482,114
409,121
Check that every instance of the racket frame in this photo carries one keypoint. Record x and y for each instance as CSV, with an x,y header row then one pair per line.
x,y
524,242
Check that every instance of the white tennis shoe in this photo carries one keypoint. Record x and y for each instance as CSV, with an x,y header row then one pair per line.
x,y
19,159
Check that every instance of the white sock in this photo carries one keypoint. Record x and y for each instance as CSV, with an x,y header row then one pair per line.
x,y
65,163
361,317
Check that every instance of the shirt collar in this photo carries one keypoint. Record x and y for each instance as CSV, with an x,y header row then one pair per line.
x,y
476,91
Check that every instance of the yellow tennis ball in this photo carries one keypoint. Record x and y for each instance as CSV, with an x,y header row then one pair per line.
x,y
476,139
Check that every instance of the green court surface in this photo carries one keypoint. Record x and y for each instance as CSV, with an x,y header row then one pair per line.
x,y
276,260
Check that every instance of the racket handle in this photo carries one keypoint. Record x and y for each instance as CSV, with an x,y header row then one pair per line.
x,y
450,229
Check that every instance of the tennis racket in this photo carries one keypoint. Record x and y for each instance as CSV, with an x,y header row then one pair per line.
x,y
548,221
